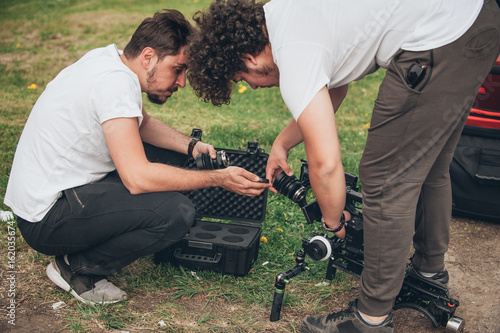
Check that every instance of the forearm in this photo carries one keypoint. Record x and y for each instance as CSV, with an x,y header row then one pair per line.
x,y
289,137
330,192
141,176
157,177
326,173
159,134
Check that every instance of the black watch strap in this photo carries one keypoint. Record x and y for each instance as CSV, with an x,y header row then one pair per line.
x,y
341,225
193,143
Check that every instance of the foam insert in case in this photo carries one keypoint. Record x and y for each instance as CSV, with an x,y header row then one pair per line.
x,y
232,247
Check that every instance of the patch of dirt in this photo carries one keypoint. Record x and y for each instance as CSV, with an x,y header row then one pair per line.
x,y
473,262
34,317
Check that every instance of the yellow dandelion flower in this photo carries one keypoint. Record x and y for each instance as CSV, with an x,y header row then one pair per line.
x,y
367,125
242,89
279,229
18,45
32,86
263,239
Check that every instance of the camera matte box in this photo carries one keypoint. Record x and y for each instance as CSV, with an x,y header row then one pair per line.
x,y
228,248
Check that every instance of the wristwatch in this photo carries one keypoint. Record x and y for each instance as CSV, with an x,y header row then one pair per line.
x,y
193,143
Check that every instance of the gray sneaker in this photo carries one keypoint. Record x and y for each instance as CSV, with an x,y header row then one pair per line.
x,y
346,321
86,288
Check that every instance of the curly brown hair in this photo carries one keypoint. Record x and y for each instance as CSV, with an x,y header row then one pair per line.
x,y
226,31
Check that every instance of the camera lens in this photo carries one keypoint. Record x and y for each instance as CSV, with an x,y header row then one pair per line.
x,y
289,186
204,161
222,160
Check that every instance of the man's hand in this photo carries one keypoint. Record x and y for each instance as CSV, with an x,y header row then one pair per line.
x,y
276,163
289,137
203,148
241,181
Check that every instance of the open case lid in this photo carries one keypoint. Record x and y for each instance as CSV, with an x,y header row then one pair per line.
x,y
218,203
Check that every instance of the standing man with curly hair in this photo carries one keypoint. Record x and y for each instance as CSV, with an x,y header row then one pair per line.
x,y
436,52
96,181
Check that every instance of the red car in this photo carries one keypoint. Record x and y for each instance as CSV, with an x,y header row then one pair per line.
x,y
475,169
485,112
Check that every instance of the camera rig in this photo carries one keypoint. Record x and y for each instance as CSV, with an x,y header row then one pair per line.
x,y
431,299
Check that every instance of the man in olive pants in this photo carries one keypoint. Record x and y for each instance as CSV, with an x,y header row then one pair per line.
x,y
436,52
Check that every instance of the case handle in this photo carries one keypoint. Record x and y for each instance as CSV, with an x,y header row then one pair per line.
x,y
488,169
196,257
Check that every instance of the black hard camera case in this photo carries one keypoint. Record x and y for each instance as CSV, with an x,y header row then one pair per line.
x,y
228,248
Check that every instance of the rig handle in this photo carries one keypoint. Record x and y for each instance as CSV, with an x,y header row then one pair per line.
x,y
277,302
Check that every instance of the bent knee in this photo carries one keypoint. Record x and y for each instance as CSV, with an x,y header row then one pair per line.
x,y
184,213
178,214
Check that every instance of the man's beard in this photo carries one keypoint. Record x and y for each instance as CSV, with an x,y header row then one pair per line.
x,y
153,98
267,71
264,71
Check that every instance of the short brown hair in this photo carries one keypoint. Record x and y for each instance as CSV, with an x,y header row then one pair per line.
x,y
166,32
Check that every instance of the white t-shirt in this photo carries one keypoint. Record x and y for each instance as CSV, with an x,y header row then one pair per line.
x,y
62,144
317,43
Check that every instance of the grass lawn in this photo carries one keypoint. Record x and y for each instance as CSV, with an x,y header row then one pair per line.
x,y
40,38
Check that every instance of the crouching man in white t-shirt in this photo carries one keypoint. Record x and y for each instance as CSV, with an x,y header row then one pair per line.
x,y
436,52
95,180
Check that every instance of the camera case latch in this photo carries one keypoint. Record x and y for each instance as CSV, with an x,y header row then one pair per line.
x,y
196,133
253,148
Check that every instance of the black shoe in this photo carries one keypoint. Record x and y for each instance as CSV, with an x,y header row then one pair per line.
x,y
86,288
347,321
440,278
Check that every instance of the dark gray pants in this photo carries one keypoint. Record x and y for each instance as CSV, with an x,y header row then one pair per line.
x,y
103,228
404,170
